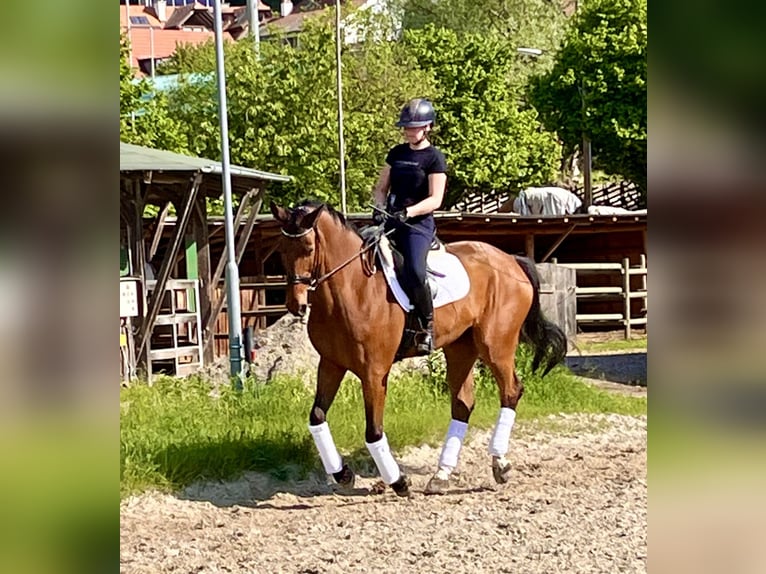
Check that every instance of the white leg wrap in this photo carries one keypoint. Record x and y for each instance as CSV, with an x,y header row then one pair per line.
x,y
498,444
384,460
326,447
452,445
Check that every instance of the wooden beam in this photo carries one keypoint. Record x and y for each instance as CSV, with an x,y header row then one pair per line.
x,y
529,245
159,224
558,242
167,263
256,197
202,238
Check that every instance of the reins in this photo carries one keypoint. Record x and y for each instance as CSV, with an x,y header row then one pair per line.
x,y
314,282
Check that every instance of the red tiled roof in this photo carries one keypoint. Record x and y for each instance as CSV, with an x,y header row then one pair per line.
x,y
165,42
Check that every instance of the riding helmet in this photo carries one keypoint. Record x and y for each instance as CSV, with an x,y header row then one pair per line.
x,y
416,114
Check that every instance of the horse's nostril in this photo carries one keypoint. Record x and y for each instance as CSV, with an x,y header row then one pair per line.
x,y
301,310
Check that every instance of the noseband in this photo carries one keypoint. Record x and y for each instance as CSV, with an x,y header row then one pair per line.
x,y
311,280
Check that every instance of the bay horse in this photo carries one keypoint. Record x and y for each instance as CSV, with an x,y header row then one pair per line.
x,y
355,325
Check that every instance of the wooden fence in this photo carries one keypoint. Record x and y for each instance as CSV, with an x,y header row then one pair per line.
x,y
616,194
262,298
607,275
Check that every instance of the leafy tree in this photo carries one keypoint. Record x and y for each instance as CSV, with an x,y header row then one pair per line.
x,y
493,142
597,87
539,24
144,116
283,109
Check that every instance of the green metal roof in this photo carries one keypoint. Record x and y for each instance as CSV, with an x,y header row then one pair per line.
x,y
140,158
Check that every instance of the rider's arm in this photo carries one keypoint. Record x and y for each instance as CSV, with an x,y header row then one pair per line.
x,y
437,182
381,187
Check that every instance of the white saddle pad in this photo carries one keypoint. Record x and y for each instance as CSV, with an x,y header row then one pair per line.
x,y
451,284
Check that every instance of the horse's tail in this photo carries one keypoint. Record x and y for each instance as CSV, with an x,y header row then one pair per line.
x,y
546,338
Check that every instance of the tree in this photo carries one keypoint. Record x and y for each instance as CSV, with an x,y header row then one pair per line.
x,y
493,142
536,24
597,87
144,116
283,110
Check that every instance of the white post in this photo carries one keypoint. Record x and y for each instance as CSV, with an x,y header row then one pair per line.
x,y
626,294
341,143
254,21
232,271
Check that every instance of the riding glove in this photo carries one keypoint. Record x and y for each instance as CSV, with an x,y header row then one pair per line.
x,y
400,216
378,217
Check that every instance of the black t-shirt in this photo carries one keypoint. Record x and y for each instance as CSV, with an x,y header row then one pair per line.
x,y
410,169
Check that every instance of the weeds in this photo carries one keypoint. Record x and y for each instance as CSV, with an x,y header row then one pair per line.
x,y
178,431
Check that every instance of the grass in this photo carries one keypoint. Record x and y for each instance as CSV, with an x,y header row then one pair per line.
x,y
619,345
179,431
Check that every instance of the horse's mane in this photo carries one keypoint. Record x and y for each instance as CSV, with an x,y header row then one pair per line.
x,y
339,218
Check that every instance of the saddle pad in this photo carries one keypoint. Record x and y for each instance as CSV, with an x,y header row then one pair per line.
x,y
448,282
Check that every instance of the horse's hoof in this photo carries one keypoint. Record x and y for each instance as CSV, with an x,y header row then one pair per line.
x,y
437,485
501,470
345,477
402,486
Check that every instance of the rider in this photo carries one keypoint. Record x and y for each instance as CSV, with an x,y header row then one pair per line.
x,y
410,188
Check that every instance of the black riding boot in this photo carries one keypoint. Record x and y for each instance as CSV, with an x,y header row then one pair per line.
x,y
424,338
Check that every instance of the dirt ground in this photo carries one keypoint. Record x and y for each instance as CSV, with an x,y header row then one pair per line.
x,y
576,503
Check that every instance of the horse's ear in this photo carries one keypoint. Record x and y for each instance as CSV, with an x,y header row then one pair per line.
x,y
280,213
308,220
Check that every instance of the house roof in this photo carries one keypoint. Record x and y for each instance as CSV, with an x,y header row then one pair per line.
x,y
140,158
293,23
161,43
183,13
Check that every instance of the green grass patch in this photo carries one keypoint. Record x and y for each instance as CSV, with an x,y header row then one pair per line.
x,y
178,431
607,346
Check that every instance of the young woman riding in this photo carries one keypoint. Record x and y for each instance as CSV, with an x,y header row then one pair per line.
x,y
410,188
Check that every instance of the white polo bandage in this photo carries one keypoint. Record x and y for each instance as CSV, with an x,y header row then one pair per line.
x,y
326,446
498,444
384,460
452,445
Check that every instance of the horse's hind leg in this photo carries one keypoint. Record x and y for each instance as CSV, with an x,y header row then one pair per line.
x,y
329,377
461,356
374,390
511,389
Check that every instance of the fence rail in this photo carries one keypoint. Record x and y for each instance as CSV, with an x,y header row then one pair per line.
x,y
624,291
616,194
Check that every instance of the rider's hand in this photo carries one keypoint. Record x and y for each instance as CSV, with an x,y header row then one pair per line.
x,y
378,217
400,216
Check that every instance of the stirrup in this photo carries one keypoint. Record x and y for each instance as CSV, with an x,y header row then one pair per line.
x,y
424,342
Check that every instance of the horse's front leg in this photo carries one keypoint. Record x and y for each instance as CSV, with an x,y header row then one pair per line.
x,y
374,390
329,377
460,356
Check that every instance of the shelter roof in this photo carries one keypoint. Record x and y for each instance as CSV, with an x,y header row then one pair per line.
x,y
140,158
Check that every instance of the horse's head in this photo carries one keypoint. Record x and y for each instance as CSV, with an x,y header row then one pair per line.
x,y
299,252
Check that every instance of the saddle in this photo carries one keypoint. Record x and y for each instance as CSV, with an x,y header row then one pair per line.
x,y
447,279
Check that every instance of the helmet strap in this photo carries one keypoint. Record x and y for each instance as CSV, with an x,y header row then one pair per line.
x,y
425,135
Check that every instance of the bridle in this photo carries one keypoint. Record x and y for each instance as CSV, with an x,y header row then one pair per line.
x,y
311,280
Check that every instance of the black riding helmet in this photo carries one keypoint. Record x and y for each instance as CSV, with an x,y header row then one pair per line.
x,y
416,114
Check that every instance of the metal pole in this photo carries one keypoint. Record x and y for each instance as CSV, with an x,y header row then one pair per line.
x,y
255,30
341,143
587,169
127,24
586,155
151,47
232,271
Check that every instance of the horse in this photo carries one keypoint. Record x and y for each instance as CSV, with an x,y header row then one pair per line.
x,y
351,305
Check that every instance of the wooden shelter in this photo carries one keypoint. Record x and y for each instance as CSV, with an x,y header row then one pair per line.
x,y
166,295
597,246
